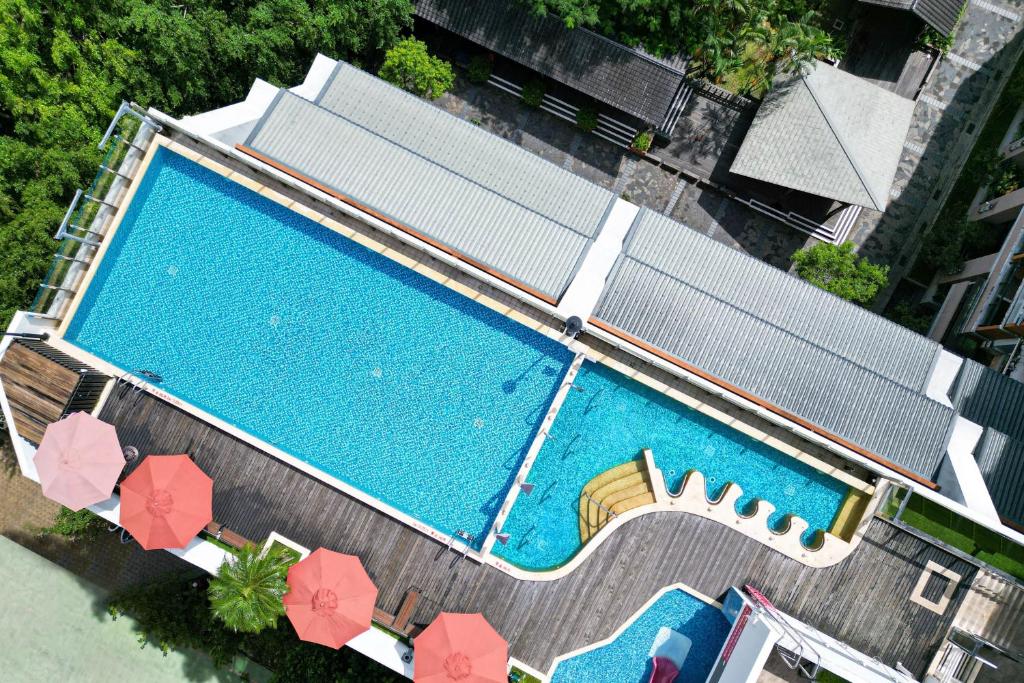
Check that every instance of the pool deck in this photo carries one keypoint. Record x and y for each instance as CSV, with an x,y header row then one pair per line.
x,y
865,601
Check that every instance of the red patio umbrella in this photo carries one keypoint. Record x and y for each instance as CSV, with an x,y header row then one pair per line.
x,y
460,648
166,501
330,598
79,461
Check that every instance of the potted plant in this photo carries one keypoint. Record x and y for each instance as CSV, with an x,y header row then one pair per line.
x,y
642,142
479,69
533,93
586,119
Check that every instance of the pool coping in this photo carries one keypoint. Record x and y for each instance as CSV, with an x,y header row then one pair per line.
x,y
583,352
629,622
61,344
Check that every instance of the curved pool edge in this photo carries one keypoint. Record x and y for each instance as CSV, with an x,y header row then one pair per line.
x,y
693,500
621,628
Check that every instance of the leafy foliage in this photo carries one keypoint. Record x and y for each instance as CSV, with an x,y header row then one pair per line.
x,y
759,37
409,66
247,591
838,269
480,69
533,93
174,613
586,119
80,525
65,66
642,141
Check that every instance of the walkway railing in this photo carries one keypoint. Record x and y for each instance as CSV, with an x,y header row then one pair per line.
x,y
90,212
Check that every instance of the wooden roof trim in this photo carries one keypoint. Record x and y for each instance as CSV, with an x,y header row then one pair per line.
x,y
678,362
396,224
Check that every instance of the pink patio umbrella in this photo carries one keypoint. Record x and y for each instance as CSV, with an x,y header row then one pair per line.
x,y
79,461
166,501
330,598
460,648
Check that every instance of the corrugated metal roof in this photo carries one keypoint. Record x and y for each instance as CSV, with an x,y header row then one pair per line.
x,y
1001,461
436,174
610,72
828,133
942,15
996,402
989,398
854,374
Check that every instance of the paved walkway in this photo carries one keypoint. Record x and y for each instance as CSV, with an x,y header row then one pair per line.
x,y
56,628
611,167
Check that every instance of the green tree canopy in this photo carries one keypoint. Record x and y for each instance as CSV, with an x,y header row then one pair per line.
x,y
409,66
723,36
65,66
247,591
839,270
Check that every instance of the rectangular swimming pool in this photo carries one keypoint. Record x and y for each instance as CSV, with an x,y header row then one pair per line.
x,y
342,358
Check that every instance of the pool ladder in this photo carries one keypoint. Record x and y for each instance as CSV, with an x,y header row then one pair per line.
x,y
796,659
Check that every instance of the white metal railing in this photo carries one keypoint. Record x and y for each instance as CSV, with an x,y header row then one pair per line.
x,y
88,216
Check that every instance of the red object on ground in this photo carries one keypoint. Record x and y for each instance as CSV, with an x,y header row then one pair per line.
x,y
460,648
79,461
330,598
166,501
663,670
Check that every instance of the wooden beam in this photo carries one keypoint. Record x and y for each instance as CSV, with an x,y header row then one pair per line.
x,y
678,362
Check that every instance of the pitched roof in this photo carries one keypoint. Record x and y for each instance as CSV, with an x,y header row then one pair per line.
x,y
942,15
828,133
829,362
610,72
996,402
446,179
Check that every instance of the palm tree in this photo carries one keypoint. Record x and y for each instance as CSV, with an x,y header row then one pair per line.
x,y
246,593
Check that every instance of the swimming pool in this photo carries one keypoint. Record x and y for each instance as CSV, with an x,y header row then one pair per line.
x,y
338,356
606,421
626,659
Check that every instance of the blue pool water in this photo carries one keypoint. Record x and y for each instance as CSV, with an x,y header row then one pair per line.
x,y
608,423
340,357
626,659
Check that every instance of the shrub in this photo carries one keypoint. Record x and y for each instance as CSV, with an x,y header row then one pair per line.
x,y
642,141
837,269
533,93
586,119
940,42
247,591
190,624
943,248
409,66
81,525
911,317
479,70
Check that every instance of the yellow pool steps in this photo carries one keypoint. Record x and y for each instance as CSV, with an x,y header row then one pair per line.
x,y
612,493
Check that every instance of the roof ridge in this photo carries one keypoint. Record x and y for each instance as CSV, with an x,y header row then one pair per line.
x,y
284,92
843,145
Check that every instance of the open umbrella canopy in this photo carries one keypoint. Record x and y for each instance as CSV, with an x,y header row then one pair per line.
x,y
460,648
330,598
79,461
166,501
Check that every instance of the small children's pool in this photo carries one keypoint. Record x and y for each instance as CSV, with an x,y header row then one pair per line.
x,y
627,660
340,357
605,421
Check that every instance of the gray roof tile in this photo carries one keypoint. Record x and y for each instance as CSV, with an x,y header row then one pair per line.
x,y
854,374
612,73
830,134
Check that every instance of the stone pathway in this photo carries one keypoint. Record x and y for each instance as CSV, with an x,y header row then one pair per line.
x,y
612,167
949,115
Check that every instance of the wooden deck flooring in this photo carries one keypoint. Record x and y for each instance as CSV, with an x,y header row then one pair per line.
x,y
863,601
